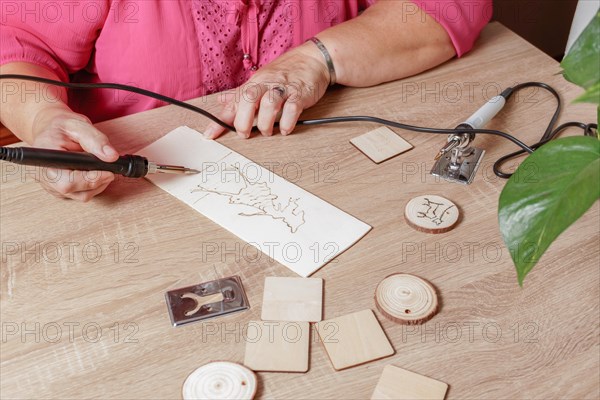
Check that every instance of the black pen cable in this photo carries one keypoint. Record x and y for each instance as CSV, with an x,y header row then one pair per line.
x,y
549,133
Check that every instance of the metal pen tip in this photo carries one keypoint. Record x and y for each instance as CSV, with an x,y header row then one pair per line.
x,y
175,169
171,169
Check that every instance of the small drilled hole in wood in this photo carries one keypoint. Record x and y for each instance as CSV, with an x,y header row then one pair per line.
x,y
407,311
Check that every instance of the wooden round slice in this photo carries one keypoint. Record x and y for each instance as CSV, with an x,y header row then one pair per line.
x,y
220,380
431,214
406,299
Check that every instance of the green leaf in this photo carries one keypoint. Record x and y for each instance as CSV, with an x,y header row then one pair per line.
x,y
591,95
582,64
549,191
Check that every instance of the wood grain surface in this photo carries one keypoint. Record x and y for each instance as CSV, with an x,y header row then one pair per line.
x,y
277,346
221,380
399,384
381,144
292,299
82,285
431,214
406,299
354,339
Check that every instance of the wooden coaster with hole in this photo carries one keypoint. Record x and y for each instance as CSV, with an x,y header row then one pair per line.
x,y
277,346
381,144
220,380
292,299
431,214
354,339
406,299
399,384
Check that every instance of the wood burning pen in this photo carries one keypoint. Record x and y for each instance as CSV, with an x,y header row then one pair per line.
x,y
130,166
478,120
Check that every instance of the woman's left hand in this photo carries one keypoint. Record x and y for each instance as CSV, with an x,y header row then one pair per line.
x,y
290,84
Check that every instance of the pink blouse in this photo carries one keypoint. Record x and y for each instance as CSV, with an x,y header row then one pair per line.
x,y
183,48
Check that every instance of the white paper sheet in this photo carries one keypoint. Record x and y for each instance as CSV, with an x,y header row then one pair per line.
x,y
284,221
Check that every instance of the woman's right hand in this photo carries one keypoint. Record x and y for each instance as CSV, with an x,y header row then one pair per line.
x,y
61,129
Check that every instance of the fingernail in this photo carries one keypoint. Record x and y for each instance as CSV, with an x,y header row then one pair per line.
x,y
109,151
244,135
283,132
209,132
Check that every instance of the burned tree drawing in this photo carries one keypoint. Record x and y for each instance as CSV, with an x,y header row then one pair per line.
x,y
258,196
434,211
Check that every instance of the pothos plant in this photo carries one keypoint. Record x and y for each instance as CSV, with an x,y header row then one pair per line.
x,y
563,174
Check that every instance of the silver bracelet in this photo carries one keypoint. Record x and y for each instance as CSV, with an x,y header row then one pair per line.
x,y
328,60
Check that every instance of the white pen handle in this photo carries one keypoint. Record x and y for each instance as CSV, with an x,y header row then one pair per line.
x,y
488,111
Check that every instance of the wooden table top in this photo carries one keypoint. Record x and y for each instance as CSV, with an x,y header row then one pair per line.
x,y
82,285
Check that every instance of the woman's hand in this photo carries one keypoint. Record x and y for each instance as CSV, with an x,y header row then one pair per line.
x,y
61,129
288,85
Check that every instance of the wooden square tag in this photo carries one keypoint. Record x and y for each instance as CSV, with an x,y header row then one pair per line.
x,y
277,346
354,339
399,384
292,299
381,144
